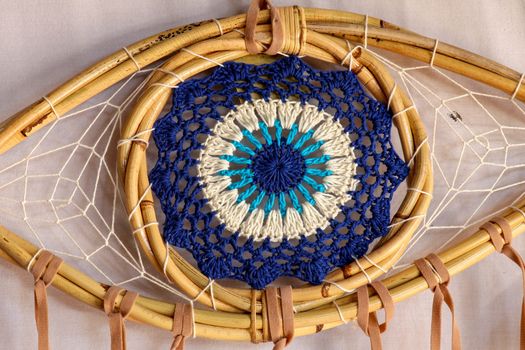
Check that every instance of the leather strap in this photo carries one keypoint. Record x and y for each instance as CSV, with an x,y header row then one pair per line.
x,y
436,274
280,315
44,271
251,23
116,317
288,29
366,320
182,325
503,245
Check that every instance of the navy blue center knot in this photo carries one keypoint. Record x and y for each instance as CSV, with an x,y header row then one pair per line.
x,y
278,167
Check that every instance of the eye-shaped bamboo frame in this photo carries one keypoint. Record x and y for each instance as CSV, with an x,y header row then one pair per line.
x,y
326,34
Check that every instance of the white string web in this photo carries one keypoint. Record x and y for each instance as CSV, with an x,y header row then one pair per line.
x,y
476,135
60,187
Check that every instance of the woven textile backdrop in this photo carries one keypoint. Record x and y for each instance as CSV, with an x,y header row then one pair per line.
x,y
44,43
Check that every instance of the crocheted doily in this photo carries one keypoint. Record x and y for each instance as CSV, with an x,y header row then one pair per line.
x,y
275,170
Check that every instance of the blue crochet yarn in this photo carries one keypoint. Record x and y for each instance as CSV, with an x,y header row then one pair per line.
x,y
274,168
278,168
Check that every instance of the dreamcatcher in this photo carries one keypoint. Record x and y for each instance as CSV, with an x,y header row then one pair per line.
x,y
237,149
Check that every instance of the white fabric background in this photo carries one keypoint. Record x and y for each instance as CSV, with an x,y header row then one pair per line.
x,y
46,42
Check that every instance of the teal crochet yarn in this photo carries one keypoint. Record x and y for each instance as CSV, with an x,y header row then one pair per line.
x,y
274,170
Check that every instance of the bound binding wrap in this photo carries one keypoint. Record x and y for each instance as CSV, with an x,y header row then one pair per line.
x,y
182,325
279,315
437,276
44,271
117,315
503,245
368,321
288,29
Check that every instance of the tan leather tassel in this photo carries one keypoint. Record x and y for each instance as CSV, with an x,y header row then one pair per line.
x,y
366,320
503,245
116,318
436,274
280,315
44,271
182,325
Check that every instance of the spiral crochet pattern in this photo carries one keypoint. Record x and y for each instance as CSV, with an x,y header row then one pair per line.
x,y
290,183
274,170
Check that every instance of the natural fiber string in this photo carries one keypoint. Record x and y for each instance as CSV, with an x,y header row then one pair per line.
x,y
165,85
518,87
165,71
519,210
117,316
44,271
279,308
437,277
350,55
133,211
52,106
212,295
391,96
203,57
418,149
128,259
33,259
170,73
339,312
367,258
339,286
436,163
434,51
165,263
141,228
142,231
203,290
132,58
400,222
367,320
503,245
183,320
218,23
425,193
368,278
397,114
135,138
365,40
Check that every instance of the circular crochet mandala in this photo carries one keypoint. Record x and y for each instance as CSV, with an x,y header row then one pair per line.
x,y
289,184
275,170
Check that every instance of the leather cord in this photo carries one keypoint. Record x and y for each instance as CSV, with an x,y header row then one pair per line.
x,y
288,29
436,274
44,271
117,316
504,245
280,314
182,325
366,320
